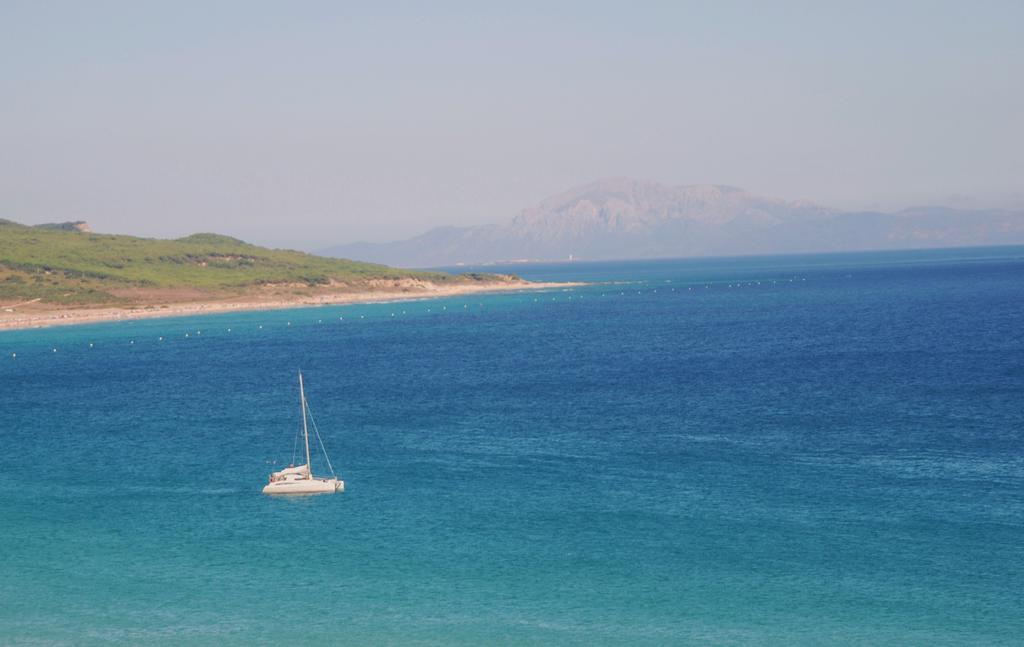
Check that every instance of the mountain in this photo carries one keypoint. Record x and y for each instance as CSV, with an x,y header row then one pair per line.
x,y
626,218
67,264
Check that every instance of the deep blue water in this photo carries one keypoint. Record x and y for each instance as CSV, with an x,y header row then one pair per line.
x,y
793,450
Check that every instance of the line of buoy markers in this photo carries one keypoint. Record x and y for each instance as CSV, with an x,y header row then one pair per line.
x,y
444,308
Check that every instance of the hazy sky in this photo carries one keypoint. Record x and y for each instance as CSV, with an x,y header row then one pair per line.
x,y
307,124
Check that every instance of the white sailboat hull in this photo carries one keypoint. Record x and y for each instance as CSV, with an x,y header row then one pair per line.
x,y
305,486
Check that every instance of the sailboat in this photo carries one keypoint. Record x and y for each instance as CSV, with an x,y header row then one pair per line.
x,y
299,479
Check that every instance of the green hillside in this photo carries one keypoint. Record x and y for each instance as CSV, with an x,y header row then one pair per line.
x,y
65,266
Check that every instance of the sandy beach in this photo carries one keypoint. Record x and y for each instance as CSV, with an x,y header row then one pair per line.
x,y
36,314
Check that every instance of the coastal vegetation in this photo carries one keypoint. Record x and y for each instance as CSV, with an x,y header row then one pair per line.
x,y
66,264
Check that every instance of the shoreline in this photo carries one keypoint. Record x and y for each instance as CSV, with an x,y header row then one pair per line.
x,y
46,317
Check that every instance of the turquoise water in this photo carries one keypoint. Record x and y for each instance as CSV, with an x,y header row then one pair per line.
x,y
792,450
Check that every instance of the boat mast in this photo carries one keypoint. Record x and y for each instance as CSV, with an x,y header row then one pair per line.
x,y
305,429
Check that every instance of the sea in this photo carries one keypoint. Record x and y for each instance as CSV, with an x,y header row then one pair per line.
x,y
790,450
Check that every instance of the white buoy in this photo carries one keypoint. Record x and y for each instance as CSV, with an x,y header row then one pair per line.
x,y
90,344
261,326
55,350
13,355
186,334
132,342
229,330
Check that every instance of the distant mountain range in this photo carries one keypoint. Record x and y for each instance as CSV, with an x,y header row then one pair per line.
x,y
626,218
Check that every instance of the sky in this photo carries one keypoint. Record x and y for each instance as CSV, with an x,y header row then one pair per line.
x,y
309,124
